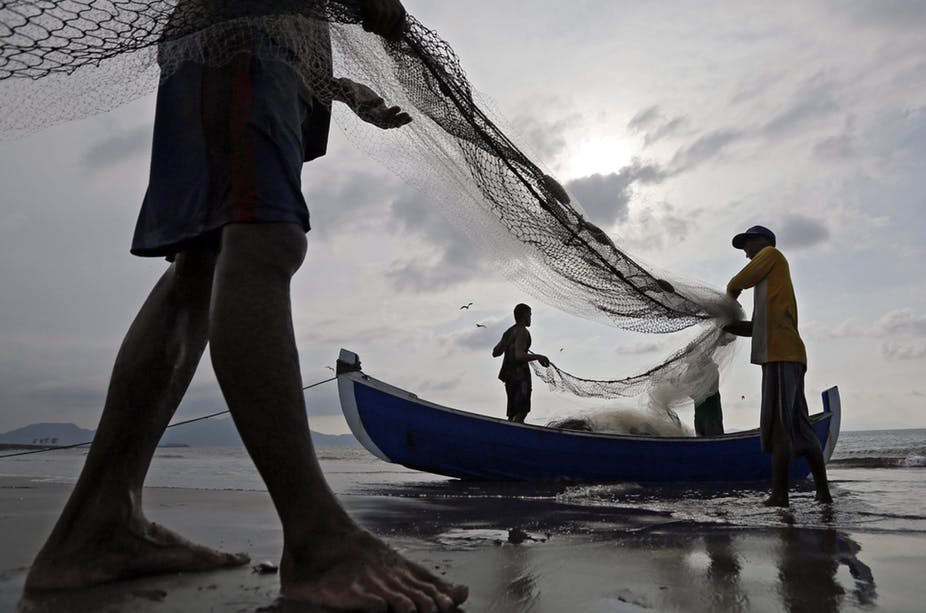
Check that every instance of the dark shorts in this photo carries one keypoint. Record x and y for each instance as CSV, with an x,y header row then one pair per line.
x,y
784,419
228,148
519,396
708,416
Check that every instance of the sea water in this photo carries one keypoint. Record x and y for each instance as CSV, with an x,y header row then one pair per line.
x,y
878,479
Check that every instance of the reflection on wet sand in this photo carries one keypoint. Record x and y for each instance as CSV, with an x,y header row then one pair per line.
x,y
789,561
808,568
723,573
517,588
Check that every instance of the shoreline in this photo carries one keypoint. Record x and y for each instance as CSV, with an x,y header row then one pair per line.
x,y
515,554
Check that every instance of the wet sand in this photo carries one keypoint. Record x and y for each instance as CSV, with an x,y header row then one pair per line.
x,y
515,555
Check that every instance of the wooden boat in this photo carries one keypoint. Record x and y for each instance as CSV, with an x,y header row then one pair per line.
x,y
397,426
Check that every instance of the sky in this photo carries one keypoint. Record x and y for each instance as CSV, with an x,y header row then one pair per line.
x,y
675,125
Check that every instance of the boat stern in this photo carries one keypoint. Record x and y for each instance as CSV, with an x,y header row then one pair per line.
x,y
831,404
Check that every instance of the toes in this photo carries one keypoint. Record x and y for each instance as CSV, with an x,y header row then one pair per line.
x,y
424,598
429,592
456,593
459,593
391,589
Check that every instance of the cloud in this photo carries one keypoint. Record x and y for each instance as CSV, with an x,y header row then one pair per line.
x,y
896,323
117,148
654,125
54,394
433,275
846,329
545,138
903,351
640,347
840,146
348,197
704,149
445,256
606,197
800,232
814,100
645,118
478,338
651,227
901,321
433,385
895,15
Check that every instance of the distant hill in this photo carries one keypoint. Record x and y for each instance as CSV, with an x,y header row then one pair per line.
x,y
216,432
47,434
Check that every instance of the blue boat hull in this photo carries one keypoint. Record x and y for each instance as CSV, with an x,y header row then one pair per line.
x,y
398,427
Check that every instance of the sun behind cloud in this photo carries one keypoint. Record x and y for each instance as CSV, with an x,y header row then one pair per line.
x,y
594,154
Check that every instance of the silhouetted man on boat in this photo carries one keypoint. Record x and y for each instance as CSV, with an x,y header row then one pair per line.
x,y
225,205
708,412
785,427
515,344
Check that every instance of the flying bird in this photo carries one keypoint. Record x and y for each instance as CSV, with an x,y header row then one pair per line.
x,y
467,305
480,325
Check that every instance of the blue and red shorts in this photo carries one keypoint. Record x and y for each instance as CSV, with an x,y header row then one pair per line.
x,y
228,148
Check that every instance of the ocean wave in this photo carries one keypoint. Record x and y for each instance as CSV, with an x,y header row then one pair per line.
x,y
909,461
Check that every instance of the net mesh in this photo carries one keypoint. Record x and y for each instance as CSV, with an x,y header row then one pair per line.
x,y
63,60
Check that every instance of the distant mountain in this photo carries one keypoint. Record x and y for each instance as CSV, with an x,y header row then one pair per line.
x,y
216,432
47,434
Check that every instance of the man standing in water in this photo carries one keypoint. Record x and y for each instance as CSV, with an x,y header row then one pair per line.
x,y
515,344
224,204
776,346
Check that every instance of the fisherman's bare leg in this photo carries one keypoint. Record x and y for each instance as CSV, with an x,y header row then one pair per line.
x,y
818,470
327,558
781,464
102,534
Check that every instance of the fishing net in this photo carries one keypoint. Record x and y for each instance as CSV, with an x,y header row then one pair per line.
x,y
63,60
687,377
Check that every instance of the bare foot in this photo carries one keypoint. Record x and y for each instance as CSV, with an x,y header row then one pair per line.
x,y
776,501
359,572
151,550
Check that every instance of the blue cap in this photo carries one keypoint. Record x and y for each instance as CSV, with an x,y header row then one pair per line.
x,y
739,239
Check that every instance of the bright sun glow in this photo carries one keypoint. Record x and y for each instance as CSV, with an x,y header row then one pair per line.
x,y
600,154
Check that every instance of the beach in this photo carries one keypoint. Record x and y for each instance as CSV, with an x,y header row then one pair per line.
x,y
519,547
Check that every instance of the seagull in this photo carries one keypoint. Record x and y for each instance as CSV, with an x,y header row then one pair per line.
x,y
480,325
467,305
330,368
561,348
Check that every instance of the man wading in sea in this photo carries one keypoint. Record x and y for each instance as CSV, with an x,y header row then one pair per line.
x,y
225,205
515,372
776,345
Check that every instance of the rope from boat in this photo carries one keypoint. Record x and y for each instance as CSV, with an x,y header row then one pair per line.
x,y
179,423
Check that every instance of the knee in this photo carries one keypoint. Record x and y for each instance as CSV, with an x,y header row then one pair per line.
x,y
270,247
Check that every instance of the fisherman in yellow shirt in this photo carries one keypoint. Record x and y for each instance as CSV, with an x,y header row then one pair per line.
x,y
777,346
